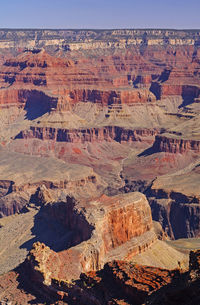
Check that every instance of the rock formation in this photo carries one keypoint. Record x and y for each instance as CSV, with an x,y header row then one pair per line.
x,y
103,229
174,201
119,282
45,181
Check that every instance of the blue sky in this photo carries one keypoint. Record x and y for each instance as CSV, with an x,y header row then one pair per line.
x,y
100,14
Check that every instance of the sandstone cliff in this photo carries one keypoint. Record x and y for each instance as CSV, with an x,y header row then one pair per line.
x,y
119,282
103,229
107,133
174,201
93,39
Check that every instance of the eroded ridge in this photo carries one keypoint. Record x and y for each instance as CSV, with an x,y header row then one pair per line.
x,y
118,227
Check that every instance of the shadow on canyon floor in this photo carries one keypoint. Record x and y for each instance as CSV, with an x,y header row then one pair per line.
x,y
179,291
38,103
26,285
50,232
149,151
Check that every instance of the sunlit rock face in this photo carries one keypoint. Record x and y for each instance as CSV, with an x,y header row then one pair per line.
x,y
102,230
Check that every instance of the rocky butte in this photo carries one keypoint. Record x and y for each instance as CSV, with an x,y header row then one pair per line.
x,y
99,166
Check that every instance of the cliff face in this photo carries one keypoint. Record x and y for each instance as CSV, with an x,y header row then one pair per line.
x,y
179,220
175,145
125,223
174,201
107,133
118,282
128,96
105,240
93,39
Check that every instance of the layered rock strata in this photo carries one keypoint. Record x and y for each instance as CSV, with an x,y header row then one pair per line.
x,y
174,201
118,227
94,39
119,282
107,133
175,145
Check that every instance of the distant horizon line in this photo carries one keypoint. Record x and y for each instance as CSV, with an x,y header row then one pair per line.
x,y
99,29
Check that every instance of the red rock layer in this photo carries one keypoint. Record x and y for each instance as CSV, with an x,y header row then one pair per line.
x,y
108,97
118,282
115,222
162,70
107,133
175,145
124,223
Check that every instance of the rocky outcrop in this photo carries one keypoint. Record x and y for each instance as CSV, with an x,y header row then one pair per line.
x,y
134,284
19,196
118,227
13,203
107,133
34,102
174,201
92,39
133,281
119,282
194,264
170,88
172,144
179,220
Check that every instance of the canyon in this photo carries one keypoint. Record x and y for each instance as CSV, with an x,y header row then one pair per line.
x,y
99,164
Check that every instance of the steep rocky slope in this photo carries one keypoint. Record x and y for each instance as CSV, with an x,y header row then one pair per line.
x,y
104,229
119,282
174,201
94,39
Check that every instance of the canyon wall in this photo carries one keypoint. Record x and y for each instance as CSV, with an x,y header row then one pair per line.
x,y
175,145
174,201
107,133
93,39
105,241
